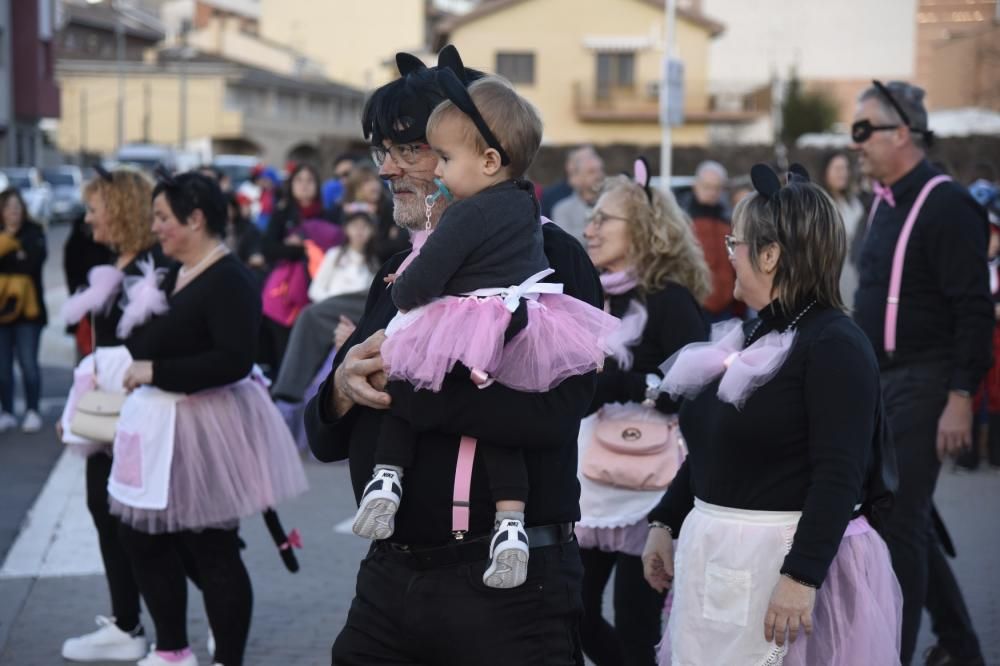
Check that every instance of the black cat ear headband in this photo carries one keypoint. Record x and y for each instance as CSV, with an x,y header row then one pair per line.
x,y
454,89
103,173
768,185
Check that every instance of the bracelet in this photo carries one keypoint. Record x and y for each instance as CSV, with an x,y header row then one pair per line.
x,y
800,582
662,526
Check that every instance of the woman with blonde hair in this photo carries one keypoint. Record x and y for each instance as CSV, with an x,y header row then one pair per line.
x,y
654,276
120,217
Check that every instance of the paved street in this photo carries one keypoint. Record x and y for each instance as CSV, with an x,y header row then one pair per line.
x,y
51,585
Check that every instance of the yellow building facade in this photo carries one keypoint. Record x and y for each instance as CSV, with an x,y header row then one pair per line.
x,y
226,107
595,65
350,38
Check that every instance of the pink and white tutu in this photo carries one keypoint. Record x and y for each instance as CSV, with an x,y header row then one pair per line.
x,y
233,457
564,337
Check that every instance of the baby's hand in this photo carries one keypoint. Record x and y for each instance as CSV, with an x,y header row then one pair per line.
x,y
390,278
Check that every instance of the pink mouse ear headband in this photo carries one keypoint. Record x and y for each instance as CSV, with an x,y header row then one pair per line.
x,y
640,174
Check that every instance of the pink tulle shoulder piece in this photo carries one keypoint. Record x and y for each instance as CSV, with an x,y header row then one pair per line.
x,y
103,282
743,371
144,298
628,334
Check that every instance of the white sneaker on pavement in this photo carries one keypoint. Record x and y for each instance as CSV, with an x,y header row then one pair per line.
x,y
32,422
108,643
7,421
376,517
153,659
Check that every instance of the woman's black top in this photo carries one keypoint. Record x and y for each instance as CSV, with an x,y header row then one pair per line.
x,y
29,261
802,442
675,319
208,337
106,322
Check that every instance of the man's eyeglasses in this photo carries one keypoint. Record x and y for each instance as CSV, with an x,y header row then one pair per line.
x,y
599,217
731,243
862,130
402,153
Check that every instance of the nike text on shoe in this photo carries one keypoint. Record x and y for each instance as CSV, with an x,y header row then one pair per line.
x,y
508,556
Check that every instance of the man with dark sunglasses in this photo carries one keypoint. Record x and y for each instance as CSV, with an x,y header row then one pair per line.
x,y
924,301
419,597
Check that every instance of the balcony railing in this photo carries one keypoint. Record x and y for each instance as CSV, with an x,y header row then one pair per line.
x,y
637,103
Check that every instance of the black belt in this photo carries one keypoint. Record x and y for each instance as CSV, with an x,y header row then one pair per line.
x,y
472,550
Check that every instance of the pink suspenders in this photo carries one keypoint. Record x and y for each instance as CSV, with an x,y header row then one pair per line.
x,y
898,257
463,485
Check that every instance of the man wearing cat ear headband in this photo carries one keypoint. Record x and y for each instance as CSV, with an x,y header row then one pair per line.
x,y
924,301
420,597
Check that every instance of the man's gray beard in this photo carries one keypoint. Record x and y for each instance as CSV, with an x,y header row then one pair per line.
x,y
404,219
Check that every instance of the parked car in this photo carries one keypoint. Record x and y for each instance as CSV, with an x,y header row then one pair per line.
x,y
146,156
35,191
237,167
66,183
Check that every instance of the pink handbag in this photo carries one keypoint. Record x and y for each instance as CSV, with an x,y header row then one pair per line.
x,y
634,453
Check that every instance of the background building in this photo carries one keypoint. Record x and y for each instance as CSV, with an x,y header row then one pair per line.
x,y
204,103
28,91
594,72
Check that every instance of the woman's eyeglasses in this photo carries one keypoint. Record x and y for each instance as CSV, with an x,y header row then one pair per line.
x,y
731,243
599,217
862,130
403,153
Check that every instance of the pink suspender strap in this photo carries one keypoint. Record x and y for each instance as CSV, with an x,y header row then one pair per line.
x,y
898,257
463,486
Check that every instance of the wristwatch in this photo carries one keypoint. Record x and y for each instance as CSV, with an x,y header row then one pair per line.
x,y
653,381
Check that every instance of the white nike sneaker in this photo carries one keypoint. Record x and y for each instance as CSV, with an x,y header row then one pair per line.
x,y
508,556
108,643
376,517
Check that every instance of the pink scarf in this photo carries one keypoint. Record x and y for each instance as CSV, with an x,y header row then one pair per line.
x,y
743,371
634,321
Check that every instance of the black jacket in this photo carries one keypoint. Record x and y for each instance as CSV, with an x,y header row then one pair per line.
x,y
544,425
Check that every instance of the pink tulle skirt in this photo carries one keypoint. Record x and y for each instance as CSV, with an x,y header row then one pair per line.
x,y
564,337
233,457
630,539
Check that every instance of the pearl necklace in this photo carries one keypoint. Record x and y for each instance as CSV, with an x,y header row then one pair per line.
x,y
185,271
748,338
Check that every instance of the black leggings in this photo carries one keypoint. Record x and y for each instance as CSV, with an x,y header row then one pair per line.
x,y
121,581
638,611
158,562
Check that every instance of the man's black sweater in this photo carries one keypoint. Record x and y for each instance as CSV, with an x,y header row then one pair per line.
x,y
545,425
945,309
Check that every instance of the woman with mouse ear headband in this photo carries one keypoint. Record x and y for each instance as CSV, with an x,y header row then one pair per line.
x,y
790,464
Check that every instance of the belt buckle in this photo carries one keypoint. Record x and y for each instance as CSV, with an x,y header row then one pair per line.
x,y
459,535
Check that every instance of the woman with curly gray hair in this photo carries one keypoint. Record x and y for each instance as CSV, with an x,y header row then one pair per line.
x,y
654,275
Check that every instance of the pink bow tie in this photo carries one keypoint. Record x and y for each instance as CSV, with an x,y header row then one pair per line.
x,y
883,193
742,370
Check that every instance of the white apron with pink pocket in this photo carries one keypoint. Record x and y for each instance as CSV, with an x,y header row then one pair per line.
x,y
144,449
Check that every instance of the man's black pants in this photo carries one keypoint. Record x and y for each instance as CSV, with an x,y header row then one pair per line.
x,y
446,616
915,396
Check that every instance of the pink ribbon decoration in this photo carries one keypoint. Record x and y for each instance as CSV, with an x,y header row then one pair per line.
x,y
743,371
294,541
883,193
